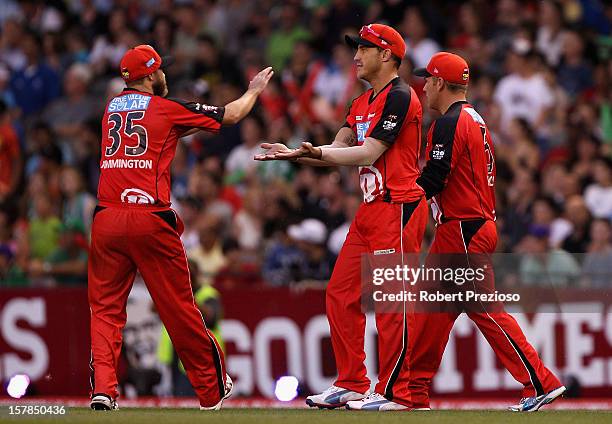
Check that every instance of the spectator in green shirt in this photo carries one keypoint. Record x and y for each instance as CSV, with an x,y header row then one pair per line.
x,y
44,228
67,264
281,41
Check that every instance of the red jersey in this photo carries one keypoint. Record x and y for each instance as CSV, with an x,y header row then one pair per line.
x,y
393,116
9,157
139,136
460,171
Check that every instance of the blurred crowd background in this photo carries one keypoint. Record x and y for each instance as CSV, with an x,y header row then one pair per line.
x,y
541,76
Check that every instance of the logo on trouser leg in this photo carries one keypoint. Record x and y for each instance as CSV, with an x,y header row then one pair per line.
x,y
384,252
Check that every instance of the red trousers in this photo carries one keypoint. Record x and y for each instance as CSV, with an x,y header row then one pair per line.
x,y
122,242
378,227
430,331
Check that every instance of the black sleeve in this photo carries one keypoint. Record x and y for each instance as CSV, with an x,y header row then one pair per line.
x,y
393,115
201,109
349,120
434,175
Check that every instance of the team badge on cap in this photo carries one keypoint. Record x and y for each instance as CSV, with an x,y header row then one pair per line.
x,y
448,66
141,61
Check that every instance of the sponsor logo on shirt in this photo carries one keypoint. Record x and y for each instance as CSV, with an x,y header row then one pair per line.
x,y
206,108
437,152
371,115
358,118
362,129
390,122
132,101
135,195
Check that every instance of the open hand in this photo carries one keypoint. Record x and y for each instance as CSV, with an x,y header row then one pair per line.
x,y
259,82
307,150
271,150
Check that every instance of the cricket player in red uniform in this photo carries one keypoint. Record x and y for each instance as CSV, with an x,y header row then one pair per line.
x,y
459,178
382,136
134,227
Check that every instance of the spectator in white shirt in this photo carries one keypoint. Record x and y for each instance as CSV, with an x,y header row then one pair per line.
x,y
240,160
523,93
420,48
334,87
549,39
597,266
598,196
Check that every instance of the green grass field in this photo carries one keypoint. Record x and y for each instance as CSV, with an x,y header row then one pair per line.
x,y
299,416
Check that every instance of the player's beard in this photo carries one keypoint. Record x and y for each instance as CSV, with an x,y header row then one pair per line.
x,y
160,88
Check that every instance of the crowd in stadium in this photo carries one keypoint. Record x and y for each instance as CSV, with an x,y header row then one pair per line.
x,y
541,76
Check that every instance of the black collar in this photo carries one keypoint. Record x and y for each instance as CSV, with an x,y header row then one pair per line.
x,y
137,90
372,97
457,105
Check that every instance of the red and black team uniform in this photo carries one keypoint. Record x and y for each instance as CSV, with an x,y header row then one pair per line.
x,y
134,229
391,220
459,177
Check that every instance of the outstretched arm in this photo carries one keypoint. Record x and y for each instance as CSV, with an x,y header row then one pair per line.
x,y
239,108
362,155
344,138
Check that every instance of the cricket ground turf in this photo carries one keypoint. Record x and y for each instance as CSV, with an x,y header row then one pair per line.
x,y
305,416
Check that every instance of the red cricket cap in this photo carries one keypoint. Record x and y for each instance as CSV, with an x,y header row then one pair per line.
x,y
448,66
140,61
379,35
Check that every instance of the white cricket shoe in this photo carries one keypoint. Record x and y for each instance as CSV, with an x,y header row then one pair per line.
x,y
532,404
334,397
229,388
375,402
103,402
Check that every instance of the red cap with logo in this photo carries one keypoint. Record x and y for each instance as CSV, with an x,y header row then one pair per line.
x,y
379,35
140,61
448,66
